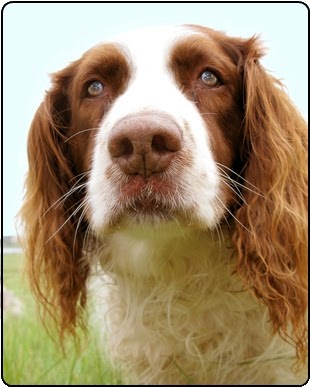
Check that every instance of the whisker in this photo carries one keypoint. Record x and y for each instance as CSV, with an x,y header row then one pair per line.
x,y
65,222
70,192
220,237
87,236
237,174
237,183
234,189
233,215
81,131
64,197
68,210
83,174
84,203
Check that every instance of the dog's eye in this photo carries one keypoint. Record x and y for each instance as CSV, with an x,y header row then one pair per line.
x,y
95,89
209,78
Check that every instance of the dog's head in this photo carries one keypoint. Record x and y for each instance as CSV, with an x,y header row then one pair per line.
x,y
169,125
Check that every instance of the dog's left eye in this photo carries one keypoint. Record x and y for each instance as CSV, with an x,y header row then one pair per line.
x,y
95,89
209,78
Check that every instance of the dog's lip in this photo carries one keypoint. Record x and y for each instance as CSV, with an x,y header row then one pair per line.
x,y
145,190
152,197
149,206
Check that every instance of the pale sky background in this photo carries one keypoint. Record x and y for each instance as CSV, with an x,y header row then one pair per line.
x,y
39,39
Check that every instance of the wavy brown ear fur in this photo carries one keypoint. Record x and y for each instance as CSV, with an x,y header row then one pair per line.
x,y
52,230
271,238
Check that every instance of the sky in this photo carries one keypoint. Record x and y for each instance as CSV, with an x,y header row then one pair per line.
x,y
39,39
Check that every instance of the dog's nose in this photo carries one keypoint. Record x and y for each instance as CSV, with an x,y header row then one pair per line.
x,y
145,143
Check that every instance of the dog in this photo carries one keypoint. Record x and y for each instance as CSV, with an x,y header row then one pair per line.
x,y
175,162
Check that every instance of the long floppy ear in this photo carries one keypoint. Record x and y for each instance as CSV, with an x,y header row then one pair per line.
x,y
52,228
271,232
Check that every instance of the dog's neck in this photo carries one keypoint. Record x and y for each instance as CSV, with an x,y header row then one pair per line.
x,y
172,291
164,251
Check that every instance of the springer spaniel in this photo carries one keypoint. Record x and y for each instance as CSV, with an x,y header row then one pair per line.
x,y
173,161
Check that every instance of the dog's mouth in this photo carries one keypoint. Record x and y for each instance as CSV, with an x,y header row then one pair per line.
x,y
151,199
159,199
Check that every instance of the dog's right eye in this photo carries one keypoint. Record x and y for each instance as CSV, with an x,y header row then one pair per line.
x,y
95,89
209,79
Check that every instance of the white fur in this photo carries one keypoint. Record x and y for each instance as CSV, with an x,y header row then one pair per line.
x,y
175,314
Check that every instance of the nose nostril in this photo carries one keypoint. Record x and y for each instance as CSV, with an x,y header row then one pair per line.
x,y
158,144
125,147
167,142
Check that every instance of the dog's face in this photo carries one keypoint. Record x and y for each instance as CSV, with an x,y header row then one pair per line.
x,y
167,108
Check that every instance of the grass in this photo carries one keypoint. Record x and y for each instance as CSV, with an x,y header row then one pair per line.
x,y
31,357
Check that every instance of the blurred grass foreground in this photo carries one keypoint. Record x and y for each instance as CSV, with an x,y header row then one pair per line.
x,y
30,356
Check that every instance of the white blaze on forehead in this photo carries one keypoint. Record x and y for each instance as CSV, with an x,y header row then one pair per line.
x,y
152,85
155,38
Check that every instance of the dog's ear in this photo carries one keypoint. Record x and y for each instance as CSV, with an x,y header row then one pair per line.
x,y
271,232
52,227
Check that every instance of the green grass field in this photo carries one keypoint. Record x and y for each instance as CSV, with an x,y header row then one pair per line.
x,y
31,357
